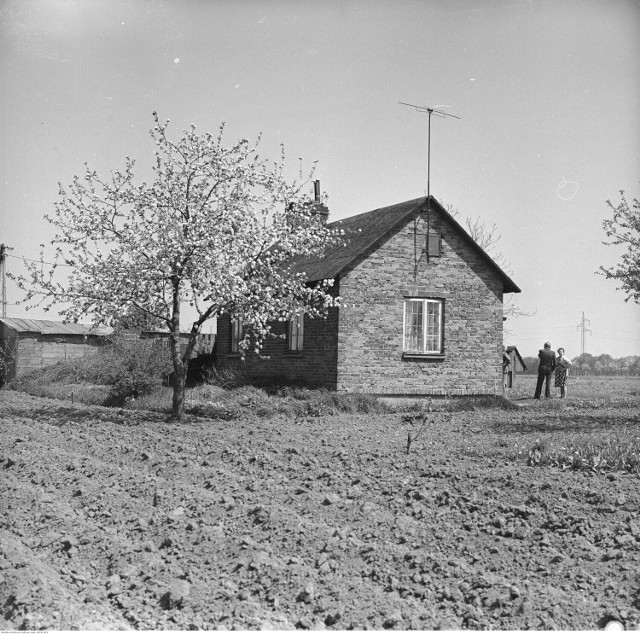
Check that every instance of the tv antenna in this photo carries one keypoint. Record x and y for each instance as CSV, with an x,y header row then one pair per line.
x,y
439,113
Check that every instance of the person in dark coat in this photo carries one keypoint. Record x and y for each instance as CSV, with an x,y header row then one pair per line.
x,y
546,367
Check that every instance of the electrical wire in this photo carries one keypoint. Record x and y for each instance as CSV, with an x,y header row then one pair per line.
x,y
18,257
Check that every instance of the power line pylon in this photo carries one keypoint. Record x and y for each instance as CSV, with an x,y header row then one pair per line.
x,y
582,326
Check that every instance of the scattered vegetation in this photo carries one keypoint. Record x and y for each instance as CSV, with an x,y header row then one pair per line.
x,y
620,452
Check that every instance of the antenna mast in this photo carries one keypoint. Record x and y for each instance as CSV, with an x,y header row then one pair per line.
x,y
438,113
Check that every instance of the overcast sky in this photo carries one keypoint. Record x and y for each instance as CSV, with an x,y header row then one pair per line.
x,y
548,93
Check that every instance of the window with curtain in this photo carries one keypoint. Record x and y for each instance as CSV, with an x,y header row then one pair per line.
x,y
423,326
296,333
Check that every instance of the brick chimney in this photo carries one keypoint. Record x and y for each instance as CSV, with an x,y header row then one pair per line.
x,y
319,211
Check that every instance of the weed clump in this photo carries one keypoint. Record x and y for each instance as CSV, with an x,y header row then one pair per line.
x,y
598,455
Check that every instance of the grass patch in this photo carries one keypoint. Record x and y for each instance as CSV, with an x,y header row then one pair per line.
x,y
159,400
117,376
477,403
457,404
583,390
88,394
215,402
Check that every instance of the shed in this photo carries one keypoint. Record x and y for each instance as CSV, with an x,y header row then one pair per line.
x,y
28,344
516,365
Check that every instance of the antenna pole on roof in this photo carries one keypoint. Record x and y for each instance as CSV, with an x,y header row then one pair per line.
x,y
438,113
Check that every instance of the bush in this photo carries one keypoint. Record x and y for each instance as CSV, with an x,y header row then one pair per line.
x,y
139,368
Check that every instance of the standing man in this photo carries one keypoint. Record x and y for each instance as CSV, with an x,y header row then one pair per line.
x,y
546,367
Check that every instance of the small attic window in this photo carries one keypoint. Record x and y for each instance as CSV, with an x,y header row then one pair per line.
x,y
434,245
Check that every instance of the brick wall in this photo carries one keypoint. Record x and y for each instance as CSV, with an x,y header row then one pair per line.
x,y
315,365
370,357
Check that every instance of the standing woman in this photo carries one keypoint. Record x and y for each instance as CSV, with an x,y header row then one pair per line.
x,y
562,370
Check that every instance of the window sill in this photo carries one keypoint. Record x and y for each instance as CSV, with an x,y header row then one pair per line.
x,y
418,356
293,354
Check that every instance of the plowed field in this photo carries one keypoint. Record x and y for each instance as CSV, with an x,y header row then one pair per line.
x,y
120,520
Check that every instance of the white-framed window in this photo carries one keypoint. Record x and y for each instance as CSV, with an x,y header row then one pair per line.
x,y
296,333
236,333
423,326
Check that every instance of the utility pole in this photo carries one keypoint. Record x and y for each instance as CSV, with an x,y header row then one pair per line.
x,y
3,276
583,327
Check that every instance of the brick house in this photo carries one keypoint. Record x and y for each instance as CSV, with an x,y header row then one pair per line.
x,y
409,324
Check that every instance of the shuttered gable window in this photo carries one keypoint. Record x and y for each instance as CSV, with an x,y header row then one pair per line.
x,y
435,245
236,334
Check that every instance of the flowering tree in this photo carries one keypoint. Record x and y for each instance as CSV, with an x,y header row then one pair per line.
x,y
624,229
214,230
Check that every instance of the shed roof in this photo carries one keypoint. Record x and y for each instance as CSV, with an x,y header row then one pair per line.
x,y
513,349
373,228
48,327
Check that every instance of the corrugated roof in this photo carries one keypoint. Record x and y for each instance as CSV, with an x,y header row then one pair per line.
x,y
48,327
372,229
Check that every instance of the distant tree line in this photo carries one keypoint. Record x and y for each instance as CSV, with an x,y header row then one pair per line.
x,y
587,364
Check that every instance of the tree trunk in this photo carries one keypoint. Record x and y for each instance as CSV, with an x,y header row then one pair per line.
x,y
181,361
179,365
179,379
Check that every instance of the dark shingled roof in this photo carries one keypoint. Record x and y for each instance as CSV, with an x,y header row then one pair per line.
x,y
372,229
